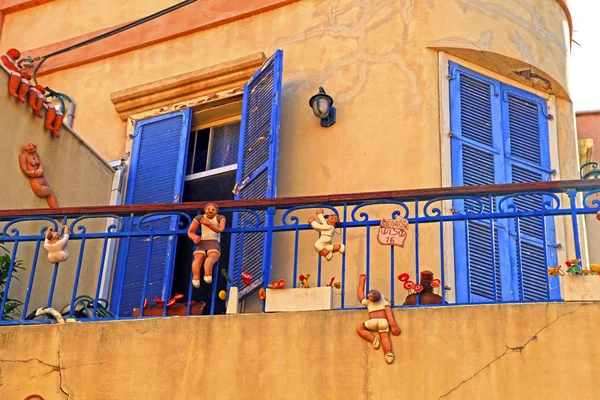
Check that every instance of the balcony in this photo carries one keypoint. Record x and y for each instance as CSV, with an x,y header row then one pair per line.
x,y
446,235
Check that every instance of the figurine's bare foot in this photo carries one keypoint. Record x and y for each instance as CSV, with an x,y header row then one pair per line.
x,y
389,357
375,342
207,279
196,283
340,248
327,254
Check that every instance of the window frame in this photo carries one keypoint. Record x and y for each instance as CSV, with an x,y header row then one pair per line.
x,y
444,60
214,171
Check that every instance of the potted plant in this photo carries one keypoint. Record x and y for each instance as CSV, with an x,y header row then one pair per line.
x,y
11,309
577,283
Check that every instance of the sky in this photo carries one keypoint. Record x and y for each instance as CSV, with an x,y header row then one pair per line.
x,y
584,71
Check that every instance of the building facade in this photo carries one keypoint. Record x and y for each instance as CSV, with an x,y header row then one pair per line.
x,y
210,102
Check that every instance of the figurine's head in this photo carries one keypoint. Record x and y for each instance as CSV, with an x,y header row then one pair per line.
x,y
333,220
31,147
374,295
51,235
14,54
211,210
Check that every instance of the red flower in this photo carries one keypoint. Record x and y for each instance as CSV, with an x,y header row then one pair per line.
x,y
403,277
301,277
262,294
418,288
435,283
145,303
568,263
408,285
246,277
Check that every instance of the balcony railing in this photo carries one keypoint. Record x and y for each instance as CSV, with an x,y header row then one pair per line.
x,y
444,236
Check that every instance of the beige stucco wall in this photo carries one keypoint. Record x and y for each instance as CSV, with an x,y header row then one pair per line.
x,y
536,351
78,176
375,58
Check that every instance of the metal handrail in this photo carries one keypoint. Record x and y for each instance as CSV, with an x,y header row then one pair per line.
x,y
350,198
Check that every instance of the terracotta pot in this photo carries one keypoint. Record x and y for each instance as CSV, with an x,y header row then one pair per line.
x,y
424,298
176,309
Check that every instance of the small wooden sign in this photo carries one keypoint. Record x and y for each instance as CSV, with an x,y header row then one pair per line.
x,y
393,232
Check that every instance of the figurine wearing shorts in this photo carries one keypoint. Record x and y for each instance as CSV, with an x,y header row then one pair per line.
x,y
205,231
381,319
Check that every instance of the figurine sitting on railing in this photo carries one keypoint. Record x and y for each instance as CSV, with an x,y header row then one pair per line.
x,y
56,245
207,249
326,228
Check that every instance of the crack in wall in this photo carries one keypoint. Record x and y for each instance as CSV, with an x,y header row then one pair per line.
x,y
368,21
406,19
535,27
514,349
60,375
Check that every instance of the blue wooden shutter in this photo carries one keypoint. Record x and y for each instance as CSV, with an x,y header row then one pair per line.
x,y
525,127
156,175
257,171
477,159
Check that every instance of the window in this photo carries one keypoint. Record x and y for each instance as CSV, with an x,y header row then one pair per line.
x,y
164,155
212,148
500,135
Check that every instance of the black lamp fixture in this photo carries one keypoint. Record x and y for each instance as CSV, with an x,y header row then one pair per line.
x,y
322,106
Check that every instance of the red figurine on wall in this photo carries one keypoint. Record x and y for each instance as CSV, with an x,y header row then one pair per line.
x,y
381,319
18,85
32,167
207,249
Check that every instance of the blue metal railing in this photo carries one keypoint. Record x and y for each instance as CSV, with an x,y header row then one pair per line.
x,y
438,219
589,171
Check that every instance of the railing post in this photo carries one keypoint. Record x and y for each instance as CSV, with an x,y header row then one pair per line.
x,y
573,201
268,263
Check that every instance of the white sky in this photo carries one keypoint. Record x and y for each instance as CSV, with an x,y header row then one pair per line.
x,y
585,60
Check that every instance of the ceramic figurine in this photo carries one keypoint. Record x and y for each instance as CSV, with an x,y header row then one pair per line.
x,y
54,118
32,167
381,319
56,245
207,249
326,228
37,99
18,84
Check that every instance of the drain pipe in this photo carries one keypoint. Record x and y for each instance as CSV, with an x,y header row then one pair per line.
x,y
71,114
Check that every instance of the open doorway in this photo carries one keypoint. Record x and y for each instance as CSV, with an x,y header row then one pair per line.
x,y
210,176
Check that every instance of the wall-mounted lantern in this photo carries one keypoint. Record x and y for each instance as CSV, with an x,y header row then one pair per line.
x,y
322,106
